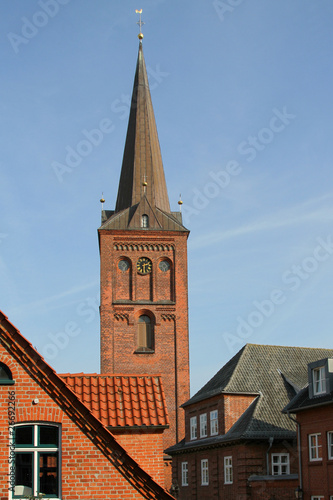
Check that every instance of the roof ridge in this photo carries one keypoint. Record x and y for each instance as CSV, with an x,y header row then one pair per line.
x,y
242,353
104,375
290,347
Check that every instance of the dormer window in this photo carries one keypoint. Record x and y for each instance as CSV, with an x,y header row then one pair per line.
x,y
319,380
320,376
145,220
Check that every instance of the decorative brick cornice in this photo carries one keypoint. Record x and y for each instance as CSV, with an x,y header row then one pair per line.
x,y
143,247
121,317
168,317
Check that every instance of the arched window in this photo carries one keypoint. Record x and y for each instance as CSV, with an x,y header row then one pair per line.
x,y
6,377
145,220
145,334
36,460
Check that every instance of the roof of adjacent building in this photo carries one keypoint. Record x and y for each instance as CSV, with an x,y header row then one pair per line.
x,y
273,375
122,401
34,364
142,187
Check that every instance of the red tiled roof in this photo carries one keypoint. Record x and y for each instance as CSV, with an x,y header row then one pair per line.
x,y
116,400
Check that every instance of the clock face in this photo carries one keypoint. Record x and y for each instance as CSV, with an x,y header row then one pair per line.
x,y
123,265
144,265
164,266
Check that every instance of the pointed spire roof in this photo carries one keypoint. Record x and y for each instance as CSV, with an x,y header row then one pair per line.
x,y
142,173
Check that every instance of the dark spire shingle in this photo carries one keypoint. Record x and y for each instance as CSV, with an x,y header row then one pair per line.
x,y
142,161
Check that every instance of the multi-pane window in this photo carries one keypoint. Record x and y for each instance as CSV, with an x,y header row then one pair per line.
x,y
319,382
204,472
330,446
280,464
315,447
228,475
203,425
36,460
184,473
214,426
316,497
193,428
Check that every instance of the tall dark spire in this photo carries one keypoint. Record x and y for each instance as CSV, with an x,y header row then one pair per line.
x,y
142,173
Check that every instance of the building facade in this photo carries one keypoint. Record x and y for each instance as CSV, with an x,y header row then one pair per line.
x,y
238,443
313,408
54,444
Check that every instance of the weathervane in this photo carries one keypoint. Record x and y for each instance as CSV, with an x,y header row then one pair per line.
x,y
140,23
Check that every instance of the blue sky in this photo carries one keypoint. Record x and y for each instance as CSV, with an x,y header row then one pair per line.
x,y
242,92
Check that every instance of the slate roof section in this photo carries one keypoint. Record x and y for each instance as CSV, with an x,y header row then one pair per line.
x,y
34,364
122,401
142,160
273,374
130,218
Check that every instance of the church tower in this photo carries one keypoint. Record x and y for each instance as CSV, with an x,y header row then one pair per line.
x,y
143,252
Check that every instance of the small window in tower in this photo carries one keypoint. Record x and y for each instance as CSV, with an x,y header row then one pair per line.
x,y
145,221
145,334
5,375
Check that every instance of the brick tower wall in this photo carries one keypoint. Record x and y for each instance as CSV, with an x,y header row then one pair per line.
x,y
163,296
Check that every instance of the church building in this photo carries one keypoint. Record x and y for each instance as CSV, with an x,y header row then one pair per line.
x,y
143,251
88,436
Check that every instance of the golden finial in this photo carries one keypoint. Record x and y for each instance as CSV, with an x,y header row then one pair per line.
x,y
140,23
180,202
102,200
144,183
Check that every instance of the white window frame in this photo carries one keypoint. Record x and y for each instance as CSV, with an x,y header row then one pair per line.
x,y
184,473
228,471
330,447
36,449
315,447
204,472
320,497
214,422
203,425
319,380
279,466
193,428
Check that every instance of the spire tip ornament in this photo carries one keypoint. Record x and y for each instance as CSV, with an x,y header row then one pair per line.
x,y
180,202
102,201
140,23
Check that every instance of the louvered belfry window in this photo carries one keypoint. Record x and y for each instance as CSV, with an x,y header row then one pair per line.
x,y
145,220
145,334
